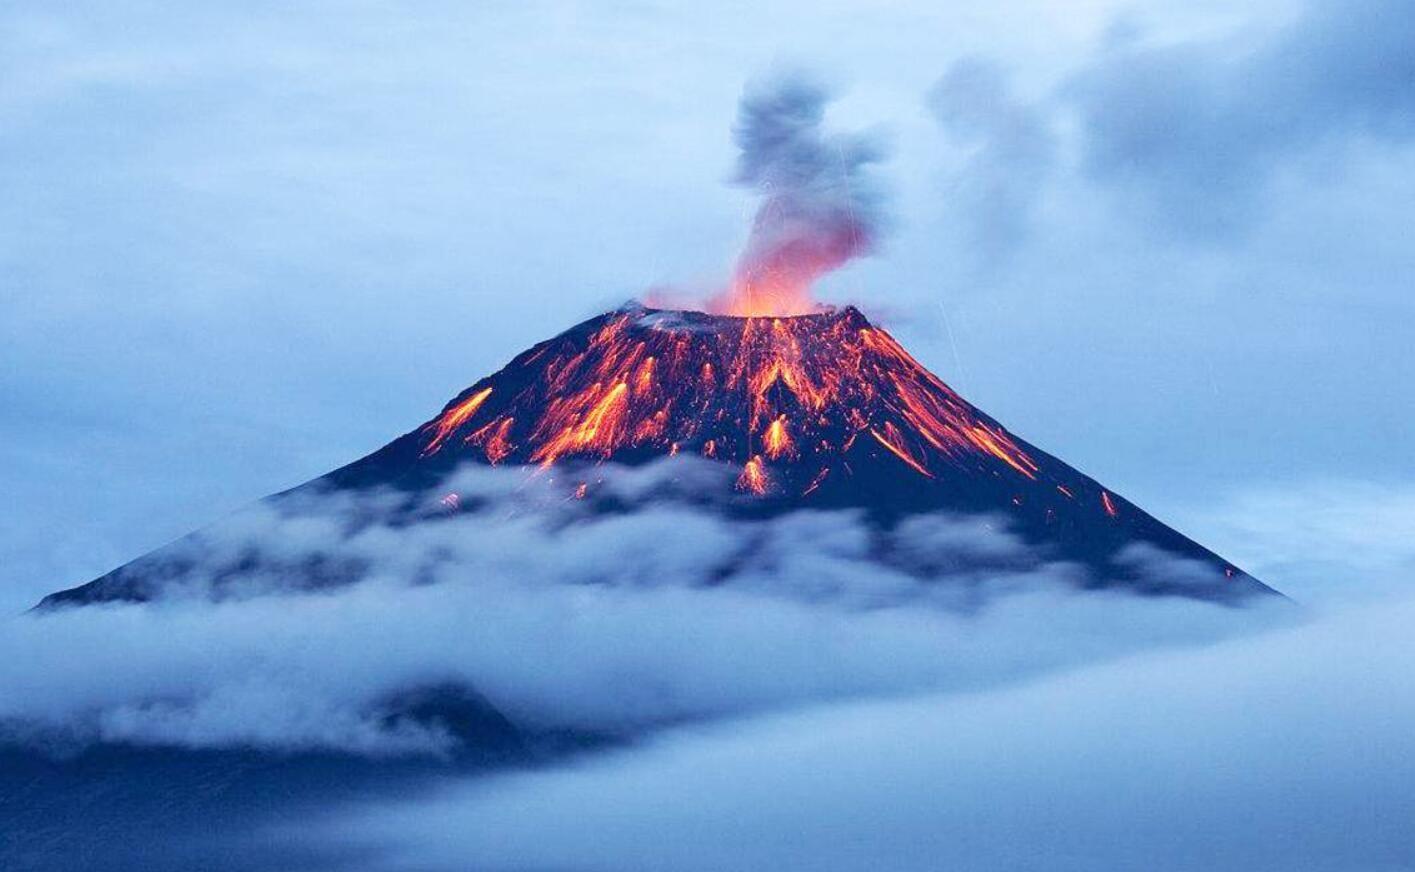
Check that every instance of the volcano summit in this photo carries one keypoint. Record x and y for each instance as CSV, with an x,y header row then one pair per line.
x,y
821,411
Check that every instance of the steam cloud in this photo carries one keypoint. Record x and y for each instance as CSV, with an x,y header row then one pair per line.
x,y
820,207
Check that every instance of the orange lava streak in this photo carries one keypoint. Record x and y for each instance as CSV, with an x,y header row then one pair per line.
x,y
753,477
599,429
454,418
644,381
493,438
1109,505
778,442
651,428
899,451
989,442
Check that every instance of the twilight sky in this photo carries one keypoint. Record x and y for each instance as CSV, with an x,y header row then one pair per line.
x,y
241,245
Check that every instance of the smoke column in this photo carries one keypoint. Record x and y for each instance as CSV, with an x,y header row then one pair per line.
x,y
820,206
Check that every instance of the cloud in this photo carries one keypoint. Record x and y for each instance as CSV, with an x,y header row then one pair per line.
x,y
1322,541
561,615
1014,151
1201,128
1286,750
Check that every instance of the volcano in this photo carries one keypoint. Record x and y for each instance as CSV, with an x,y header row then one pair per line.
x,y
820,411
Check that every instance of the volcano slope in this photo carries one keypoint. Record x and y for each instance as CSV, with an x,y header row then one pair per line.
x,y
811,412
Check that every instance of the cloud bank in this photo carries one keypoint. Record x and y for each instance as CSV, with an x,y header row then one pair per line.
x,y
1289,750
562,617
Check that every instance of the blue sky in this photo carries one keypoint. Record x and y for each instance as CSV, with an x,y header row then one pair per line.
x,y
241,245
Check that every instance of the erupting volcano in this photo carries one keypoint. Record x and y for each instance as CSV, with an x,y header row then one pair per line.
x,y
811,408
797,403
821,411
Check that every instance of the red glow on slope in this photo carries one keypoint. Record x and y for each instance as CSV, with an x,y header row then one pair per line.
x,y
492,438
597,428
899,451
454,418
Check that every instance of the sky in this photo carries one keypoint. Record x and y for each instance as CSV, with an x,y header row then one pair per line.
x,y
242,244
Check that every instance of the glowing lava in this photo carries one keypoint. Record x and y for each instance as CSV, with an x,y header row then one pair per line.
x,y
785,399
778,442
454,418
753,478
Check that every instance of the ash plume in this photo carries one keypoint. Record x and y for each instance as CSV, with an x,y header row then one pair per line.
x,y
820,205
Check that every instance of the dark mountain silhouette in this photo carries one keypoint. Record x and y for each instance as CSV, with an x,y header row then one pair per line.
x,y
811,411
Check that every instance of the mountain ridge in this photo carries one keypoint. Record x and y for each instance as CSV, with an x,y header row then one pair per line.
x,y
817,411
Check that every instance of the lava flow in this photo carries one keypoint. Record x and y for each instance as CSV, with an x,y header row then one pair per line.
x,y
796,403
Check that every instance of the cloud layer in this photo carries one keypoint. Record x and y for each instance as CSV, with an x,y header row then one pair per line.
x,y
563,617
1288,750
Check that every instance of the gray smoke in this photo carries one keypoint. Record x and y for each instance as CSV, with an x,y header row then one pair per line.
x,y
821,207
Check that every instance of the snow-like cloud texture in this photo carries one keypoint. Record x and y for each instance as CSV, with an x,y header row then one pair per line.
x,y
1286,751
563,616
1283,747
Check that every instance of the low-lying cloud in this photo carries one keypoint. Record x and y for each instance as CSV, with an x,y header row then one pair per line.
x,y
563,616
1289,750
784,698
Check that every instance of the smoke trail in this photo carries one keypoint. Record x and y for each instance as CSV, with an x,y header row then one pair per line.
x,y
820,207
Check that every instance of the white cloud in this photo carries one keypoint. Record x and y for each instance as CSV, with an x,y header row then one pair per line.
x,y
562,617
1285,751
1319,541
